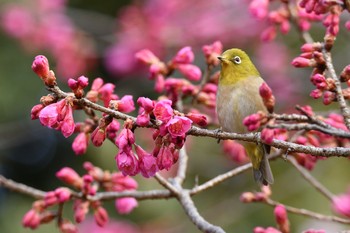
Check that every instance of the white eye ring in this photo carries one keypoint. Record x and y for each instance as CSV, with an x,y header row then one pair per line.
x,y
237,60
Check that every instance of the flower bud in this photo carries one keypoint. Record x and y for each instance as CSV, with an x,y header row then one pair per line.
x,y
101,216
125,205
69,176
41,66
282,218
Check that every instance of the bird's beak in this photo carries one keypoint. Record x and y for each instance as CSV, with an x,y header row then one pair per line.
x,y
220,58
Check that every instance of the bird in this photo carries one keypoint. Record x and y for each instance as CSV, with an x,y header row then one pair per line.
x,y
238,97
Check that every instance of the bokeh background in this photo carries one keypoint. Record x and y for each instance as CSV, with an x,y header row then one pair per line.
x,y
99,39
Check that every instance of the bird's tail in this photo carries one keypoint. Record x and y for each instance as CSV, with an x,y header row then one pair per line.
x,y
261,167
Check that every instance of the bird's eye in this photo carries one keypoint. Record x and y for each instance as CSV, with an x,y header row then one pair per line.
x,y
237,60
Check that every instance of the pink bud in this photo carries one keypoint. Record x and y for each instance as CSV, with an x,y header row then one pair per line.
x,y
265,91
81,208
125,104
308,47
63,194
112,129
80,143
68,227
212,51
69,176
235,151
50,198
247,197
190,71
159,83
41,66
328,97
125,139
121,182
267,135
301,62
125,205
146,103
101,216
341,204
184,56
259,8
98,136
147,162
317,93
198,118
163,110
73,84
268,34
68,125
166,158
34,113
178,126
282,218
143,119
31,219
83,81
146,56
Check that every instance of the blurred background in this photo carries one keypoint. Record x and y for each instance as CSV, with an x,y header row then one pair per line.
x,y
99,39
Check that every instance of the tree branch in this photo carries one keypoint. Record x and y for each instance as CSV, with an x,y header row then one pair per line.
x,y
21,188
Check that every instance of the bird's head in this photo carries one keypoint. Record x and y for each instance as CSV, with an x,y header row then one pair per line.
x,y
236,65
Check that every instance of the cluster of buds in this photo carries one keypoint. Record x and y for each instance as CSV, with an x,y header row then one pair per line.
x,y
182,62
55,115
168,138
312,56
87,185
282,221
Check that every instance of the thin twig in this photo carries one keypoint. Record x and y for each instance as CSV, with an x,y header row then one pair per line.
x,y
183,161
340,97
315,183
308,213
192,212
21,188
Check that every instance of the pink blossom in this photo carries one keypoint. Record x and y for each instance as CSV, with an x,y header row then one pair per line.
x,y
125,205
48,115
319,81
112,129
80,143
163,110
101,216
159,83
31,219
98,136
184,56
127,163
190,71
235,151
41,66
125,104
341,204
70,177
97,84
147,162
166,158
125,139
178,126
267,135
106,93
143,119
146,56
259,8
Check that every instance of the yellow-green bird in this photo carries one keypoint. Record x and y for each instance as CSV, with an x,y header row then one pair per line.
x,y
237,97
